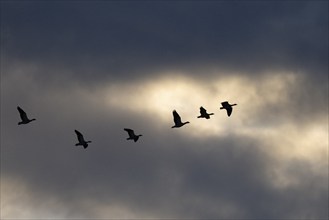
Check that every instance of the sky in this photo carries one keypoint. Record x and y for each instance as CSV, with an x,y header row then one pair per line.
x,y
101,66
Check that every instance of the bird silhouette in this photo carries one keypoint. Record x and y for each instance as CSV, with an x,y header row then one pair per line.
x,y
24,118
132,135
81,140
204,114
228,107
177,120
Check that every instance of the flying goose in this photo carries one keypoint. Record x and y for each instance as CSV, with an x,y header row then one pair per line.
x,y
228,107
132,135
177,120
81,140
25,119
204,114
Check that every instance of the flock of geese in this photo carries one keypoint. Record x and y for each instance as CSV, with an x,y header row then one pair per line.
x,y
132,136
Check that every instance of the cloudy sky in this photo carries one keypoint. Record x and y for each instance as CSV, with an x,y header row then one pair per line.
x,y
101,66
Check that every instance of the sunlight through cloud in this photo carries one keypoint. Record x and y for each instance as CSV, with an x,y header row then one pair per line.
x,y
160,96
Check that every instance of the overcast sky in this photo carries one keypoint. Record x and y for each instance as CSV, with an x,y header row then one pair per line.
x,y
101,66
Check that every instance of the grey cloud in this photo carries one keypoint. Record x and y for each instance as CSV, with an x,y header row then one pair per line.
x,y
128,39
167,180
165,174
302,100
52,55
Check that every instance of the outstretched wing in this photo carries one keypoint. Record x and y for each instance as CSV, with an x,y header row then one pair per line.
x,y
225,104
203,111
22,114
130,132
177,118
229,110
80,136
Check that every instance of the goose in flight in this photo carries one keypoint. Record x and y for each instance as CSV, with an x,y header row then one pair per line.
x,y
228,107
132,135
81,140
177,120
204,114
25,119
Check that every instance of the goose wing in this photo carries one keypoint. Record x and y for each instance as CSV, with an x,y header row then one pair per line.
x,y
229,110
130,132
22,114
203,111
177,118
80,136
225,104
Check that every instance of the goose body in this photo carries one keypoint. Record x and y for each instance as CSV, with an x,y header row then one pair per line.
x,y
177,120
204,114
24,118
81,140
132,135
228,107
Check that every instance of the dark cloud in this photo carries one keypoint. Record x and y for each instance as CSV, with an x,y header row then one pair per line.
x,y
162,178
89,66
121,39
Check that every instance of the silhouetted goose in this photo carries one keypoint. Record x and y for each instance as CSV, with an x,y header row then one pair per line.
x,y
228,107
132,135
81,140
204,114
25,119
177,120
